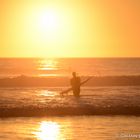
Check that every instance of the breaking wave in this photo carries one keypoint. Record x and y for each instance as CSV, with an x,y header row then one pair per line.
x,y
64,81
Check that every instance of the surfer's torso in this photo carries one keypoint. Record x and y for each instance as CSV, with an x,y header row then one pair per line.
x,y
75,83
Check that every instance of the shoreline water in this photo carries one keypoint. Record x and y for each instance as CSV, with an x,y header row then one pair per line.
x,y
70,128
47,101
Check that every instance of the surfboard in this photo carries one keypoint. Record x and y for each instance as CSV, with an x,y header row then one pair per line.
x,y
69,89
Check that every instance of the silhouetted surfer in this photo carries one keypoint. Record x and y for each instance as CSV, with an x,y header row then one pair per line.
x,y
75,83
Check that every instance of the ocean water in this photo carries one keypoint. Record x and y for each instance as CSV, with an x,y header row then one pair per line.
x,y
41,113
71,128
64,66
43,101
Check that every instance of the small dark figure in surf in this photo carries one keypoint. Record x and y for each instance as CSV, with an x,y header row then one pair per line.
x,y
75,83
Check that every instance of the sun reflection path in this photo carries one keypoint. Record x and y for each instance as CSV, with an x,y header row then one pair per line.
x,y
48,67
48,64
48,131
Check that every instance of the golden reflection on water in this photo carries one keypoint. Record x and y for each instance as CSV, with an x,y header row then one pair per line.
x,y
46,93
48,67
48,64
48,131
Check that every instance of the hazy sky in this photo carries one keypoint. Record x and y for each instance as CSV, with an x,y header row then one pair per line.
x,y
69,28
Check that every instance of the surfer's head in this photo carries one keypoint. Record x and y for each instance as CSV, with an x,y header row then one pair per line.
x,y
74,74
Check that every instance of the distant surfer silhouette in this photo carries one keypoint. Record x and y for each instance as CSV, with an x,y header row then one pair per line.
x,y
75,83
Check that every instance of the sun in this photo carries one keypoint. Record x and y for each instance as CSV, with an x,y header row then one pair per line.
x,y
48,28
48,20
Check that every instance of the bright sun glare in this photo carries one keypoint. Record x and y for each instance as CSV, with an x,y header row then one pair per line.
x,y
48,131
48,20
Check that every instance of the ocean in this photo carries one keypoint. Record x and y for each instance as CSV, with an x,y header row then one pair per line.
x,y
10,67
32,108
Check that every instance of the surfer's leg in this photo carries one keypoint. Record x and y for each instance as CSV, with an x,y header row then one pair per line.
x,y
76,92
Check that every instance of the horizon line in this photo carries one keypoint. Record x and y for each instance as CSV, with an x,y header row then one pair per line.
x,y
66,57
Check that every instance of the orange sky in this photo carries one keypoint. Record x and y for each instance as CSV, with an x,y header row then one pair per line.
x,y
69,28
